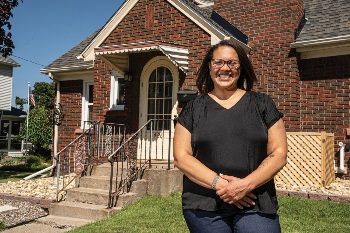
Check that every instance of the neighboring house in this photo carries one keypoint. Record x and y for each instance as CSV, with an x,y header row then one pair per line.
x,y
300,50
6,70
11,118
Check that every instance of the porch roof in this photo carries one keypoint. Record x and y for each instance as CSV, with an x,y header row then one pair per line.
x,y
117,55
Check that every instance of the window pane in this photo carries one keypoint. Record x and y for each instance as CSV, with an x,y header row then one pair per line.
x,y
121,92
151,90
168,89
160,90
151,106
168,106
159,106
168,76
90,108
91,93
161,73
152,78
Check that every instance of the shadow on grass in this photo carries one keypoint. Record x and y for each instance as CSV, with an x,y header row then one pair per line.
x,y
12,175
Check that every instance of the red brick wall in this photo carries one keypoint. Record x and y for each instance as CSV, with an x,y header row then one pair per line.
x,y
70,95
325,98
147,21
168,25
270,27
313,94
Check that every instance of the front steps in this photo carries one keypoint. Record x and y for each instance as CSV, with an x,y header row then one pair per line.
x,y
88,202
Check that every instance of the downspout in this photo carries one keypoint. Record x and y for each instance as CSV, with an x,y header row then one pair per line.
x,y
341,168
58,99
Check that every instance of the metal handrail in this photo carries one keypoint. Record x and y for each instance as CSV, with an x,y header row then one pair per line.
x,y
134,171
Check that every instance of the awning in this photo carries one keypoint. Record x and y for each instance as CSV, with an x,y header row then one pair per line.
x,y
178,55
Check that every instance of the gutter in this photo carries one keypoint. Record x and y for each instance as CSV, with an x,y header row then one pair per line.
x,y
324,42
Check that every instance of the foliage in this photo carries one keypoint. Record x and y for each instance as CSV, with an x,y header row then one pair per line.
x,y
39,129
2,226
20,102
6,43
44,94
164,214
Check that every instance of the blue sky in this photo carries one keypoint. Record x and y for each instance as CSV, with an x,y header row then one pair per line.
x,y
43,30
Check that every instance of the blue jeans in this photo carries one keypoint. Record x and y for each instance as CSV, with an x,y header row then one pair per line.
x,y
224,221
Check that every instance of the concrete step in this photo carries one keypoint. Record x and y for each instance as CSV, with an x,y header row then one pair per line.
x,y
105,168
83,210
96,182
100,196
100,182
88,195
63,222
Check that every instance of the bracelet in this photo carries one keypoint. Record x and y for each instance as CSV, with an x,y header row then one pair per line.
x,y
213,184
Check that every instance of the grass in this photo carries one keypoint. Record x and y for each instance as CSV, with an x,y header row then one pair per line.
x,y
14,169
12,175
163,214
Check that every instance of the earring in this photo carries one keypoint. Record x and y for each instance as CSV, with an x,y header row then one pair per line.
x,y
245,84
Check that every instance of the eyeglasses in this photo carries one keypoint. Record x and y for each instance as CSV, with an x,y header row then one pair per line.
x,y
219,63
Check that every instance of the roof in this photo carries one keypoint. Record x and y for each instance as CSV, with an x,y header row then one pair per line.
x,y
69,61
325,19
8,61
14,112
203,8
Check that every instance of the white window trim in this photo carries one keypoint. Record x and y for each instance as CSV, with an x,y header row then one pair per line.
x,y
114,91
85,103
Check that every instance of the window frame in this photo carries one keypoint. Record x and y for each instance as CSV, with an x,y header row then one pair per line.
x,y
114,93
86,103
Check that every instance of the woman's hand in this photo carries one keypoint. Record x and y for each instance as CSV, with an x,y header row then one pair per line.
x,y
236,192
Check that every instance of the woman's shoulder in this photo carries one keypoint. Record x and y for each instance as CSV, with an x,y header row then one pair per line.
x,y
259,96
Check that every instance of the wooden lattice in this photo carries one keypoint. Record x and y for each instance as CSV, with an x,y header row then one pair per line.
x,y
310,159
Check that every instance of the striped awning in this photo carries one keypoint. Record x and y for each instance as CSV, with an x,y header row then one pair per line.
x,y
178,55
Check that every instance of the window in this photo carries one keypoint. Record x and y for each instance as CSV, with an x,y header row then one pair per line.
x,y
160,96
117,98
87,102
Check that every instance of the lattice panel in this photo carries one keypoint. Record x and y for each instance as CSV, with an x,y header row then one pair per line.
x,y
310,159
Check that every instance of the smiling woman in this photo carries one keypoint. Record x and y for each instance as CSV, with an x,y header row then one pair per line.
x,y
229,143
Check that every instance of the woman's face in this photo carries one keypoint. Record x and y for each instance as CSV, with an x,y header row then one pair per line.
x,y
225,68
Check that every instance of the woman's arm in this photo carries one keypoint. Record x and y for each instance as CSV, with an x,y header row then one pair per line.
x,y
276,159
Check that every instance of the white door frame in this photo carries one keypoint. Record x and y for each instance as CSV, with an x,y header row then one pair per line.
x,y
146,73
159,61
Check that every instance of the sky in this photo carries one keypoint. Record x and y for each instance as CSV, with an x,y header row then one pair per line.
x,y
43,30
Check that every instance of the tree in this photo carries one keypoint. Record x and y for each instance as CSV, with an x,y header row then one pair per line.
x,y
20,102
44,94
6,43
39,129
40,118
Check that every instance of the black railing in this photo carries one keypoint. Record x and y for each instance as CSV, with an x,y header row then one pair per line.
x,y
149,145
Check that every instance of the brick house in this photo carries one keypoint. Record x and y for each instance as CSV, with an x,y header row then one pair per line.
x,y
300,51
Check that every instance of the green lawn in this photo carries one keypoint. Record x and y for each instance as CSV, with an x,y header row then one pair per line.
x,y
163,215
12,176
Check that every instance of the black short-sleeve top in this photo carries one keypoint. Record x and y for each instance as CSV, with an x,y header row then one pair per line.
x,y
232,142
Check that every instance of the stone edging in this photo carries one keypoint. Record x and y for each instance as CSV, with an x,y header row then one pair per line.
x,y
43,203
314,196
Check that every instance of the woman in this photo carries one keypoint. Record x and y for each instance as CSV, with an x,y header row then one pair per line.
x,y
229,143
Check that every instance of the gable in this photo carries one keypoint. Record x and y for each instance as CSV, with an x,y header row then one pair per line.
x,y
166,20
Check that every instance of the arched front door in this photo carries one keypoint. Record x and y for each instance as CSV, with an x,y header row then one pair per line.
x,y
159,85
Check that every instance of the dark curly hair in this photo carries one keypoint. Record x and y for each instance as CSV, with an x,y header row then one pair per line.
x,y
205,83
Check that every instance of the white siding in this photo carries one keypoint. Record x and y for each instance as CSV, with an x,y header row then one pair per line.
x,y
5,88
